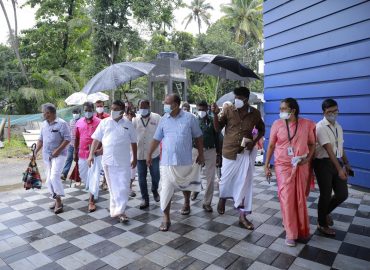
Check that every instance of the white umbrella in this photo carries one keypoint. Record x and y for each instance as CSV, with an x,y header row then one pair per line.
x,y
115,75
80,98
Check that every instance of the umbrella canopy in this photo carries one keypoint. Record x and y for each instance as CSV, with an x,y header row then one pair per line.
x,y
80,98
221,66
253,98
115,75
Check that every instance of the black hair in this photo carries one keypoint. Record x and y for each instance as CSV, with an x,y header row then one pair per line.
x,y
119,103
242,91
202,103
292,104
89,104
176,98
49,107
185,104
145,101
327,103
99,101
76,110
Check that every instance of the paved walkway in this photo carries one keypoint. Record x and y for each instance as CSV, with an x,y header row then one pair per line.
x,y
31,236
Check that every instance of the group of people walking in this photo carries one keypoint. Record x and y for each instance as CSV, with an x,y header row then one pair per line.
x,y
181,150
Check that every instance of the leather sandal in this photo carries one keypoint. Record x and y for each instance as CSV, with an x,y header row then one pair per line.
x,y
326,230
194,195
52,206
91,207
221,206
123,219
58,210
329,220
165,226
207,208
245,223
185,210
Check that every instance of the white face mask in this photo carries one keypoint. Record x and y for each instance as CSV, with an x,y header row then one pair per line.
x,y
238,103
76,116
89,115
115,114
202,114
99,109
284,115
144,112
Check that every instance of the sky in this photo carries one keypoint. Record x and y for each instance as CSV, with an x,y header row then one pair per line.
x,y
26,18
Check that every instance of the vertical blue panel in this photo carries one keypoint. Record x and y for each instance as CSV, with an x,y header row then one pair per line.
x,y
313,63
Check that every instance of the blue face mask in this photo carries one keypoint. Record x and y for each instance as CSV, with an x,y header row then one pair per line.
x,y
89,115
167,108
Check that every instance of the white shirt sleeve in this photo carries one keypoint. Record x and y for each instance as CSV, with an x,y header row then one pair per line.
x,y
322,135
99,132
132,133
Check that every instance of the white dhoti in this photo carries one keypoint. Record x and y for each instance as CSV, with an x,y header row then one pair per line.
x,y
54,169
118,180
237,178
93,177
83,170
185,178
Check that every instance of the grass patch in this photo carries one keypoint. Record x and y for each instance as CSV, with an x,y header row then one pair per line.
x,y
16,148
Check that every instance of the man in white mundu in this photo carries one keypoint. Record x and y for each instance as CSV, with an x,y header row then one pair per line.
x,y
176,130
117,135
238,153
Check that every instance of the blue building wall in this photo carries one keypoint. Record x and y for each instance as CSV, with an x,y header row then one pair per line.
x,y
318,49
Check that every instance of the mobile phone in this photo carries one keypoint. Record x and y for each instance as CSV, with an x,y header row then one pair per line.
x,y
351,173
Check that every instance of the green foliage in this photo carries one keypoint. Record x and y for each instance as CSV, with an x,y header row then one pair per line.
x,y
183,43
246,19
199,13
15,148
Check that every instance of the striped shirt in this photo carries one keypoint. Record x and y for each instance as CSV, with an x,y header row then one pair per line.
x,y
176,134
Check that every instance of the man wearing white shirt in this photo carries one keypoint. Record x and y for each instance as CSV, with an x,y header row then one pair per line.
x,y
146,124
328,165
116,134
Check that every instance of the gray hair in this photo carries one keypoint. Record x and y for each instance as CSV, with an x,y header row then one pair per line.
x,y
49,107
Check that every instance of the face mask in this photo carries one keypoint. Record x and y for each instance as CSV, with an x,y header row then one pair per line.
x,y
202,114
89,115
167,108
144,112
115,114
238,103
331,118
76,116
284,115
99,109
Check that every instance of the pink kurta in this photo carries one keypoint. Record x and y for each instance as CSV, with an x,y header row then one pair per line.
x,y
293,182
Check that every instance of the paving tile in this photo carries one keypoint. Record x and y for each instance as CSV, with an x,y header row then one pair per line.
x,y
110,232
142,263
48,242
87,241
163,238
60,227
73,233
261,266
346,262
241,263
214,226
247,250
356,239
35,235
280,246
325,243
283,261
103,248
143,247
61,251
17,253
182,263
319,255
270,230
206,253
303,264
268,256
144,230
164,256
200,235
235,232
95,226
225,260
125,239
76,260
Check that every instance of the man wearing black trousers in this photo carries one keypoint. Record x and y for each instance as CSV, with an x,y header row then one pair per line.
x,y
331,166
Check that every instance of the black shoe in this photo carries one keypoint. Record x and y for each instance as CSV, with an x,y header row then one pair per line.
x,y
194,195
144,204
156,196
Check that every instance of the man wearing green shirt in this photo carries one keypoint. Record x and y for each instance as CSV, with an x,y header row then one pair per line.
x,y
211,150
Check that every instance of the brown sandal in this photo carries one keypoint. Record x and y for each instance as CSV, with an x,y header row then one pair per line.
x,y
221,206
165,226
245,223
185,210
91,207
123,219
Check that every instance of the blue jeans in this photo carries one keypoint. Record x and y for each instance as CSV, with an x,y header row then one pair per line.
x,y
142,170
68,164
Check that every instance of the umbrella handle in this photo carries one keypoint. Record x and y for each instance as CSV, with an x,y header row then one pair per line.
x,y
33,148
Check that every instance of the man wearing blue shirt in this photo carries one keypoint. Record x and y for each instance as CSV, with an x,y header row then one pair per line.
x,y
176,131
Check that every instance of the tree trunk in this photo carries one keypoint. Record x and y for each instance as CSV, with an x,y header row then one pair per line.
x,y
66,35
13,37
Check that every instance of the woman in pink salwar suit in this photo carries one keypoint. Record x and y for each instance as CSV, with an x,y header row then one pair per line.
x,y
293,150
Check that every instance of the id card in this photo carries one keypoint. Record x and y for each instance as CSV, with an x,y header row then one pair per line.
x,y
290,151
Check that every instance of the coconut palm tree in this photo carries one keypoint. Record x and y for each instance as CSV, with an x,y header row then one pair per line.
x,y
199,12
246,18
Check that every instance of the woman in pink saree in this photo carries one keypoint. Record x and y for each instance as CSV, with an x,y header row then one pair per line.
x,y
292,140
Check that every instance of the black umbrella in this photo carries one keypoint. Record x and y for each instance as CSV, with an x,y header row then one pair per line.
x,y
220,66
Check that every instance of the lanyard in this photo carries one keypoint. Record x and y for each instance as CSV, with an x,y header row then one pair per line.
x,y
142,121
295,132
335,135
